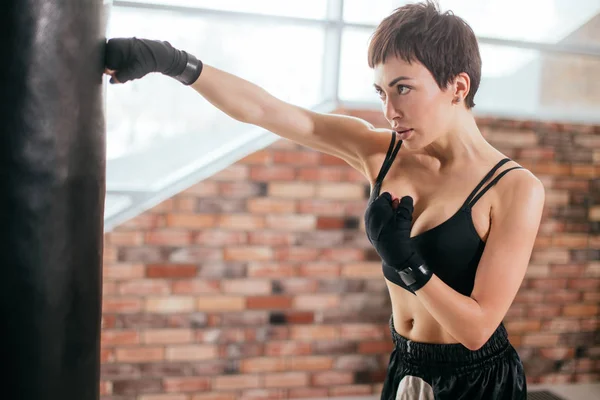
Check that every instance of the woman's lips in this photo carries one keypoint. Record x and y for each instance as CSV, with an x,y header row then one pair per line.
x,y
404,134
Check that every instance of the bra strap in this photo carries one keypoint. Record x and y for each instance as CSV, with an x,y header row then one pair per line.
x,y
492,183
484,180
389,159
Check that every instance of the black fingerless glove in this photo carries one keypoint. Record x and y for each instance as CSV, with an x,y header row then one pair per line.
x,y
133,58
388,229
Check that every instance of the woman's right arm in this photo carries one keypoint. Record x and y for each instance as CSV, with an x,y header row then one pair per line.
x,y
348,138
351,139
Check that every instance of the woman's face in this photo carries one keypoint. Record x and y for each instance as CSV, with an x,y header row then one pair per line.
x,y
413,103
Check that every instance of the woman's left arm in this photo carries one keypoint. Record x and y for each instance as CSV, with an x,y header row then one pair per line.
x,y
515,221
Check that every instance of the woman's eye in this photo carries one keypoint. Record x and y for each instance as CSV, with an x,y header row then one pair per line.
x,y
403,89
379,92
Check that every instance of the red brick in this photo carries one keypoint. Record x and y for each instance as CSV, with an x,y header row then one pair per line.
x,y
291,190
320,207
123,271
310,363
580,310
124,238
169,304
286,379
144,287
315,332
575,241
163,397
121,305
543,310
291,222
241,222
316,302
217,238
590,284
362,270
266,205
371,347
262,364
307,393
350,390
220,303
187,384
292,157
116,338
333,223
340,191
320,270
269,302
548,284
140,354
195,286
562,296
171,271
296,254
168,237
287,348
362,331
332,378
321,174
266,238
540,339
167,336
557,353
236,382
191,352
246,286
270,270
191,221
240,190
272,173
254,253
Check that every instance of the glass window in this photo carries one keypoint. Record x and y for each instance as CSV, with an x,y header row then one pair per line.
x,y
316,9
154,114
515,82
555,20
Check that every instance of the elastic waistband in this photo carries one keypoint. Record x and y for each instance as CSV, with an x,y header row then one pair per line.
x,y
450,354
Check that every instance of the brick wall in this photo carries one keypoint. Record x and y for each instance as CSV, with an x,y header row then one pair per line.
x,y
260,284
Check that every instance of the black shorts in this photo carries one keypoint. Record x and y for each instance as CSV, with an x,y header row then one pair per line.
x,y
421,371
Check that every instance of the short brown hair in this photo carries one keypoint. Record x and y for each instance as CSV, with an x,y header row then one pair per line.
x,y
443,42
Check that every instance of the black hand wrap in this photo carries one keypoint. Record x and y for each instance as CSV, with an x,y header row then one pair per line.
x,y
134,58
389,232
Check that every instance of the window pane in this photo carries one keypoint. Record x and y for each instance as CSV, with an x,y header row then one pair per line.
x,y
316,9
515,82
157,112
549,21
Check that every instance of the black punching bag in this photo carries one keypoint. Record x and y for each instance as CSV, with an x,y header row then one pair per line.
x,y
52,186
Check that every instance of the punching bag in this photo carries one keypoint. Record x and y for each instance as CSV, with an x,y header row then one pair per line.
x,y
52,187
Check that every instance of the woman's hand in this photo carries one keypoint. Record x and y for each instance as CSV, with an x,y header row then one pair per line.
x,y
388,223
132,58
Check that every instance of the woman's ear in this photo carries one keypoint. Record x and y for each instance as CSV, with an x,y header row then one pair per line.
x,y
461,86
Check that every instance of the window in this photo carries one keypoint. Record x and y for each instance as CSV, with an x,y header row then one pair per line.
x,y
146,118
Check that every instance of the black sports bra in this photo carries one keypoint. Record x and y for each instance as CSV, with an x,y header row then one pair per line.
x,y
451,250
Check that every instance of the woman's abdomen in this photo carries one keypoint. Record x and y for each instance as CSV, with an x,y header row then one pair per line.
x,y
412,320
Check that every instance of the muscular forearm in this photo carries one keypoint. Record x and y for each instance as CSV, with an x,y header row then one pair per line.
x,y
236,97
459,315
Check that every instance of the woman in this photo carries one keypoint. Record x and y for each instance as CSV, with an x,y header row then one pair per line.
x,y
456,241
